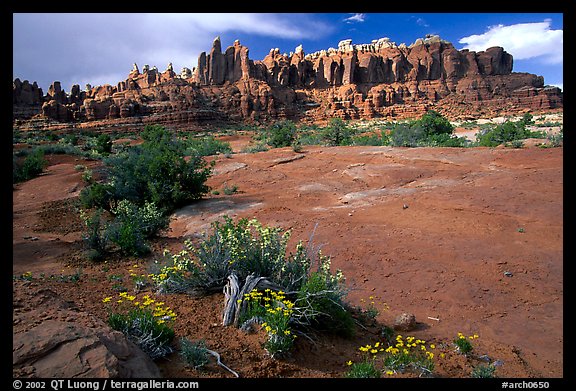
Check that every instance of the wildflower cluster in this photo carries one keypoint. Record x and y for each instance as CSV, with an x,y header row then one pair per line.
x,y
405,354
276,312
145,321
463,344
372,309
409,353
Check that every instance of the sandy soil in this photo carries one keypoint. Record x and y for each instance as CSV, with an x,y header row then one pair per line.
x,y
430,231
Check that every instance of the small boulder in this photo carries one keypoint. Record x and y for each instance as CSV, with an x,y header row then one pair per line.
x,y
405,322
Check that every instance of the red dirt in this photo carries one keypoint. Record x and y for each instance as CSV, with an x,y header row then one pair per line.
x,y
429,231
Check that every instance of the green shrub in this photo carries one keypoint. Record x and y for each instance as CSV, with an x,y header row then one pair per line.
x,y
229,190
133,224
483,371
146,323
207,146
281,134
275,312
96,235
337,133
368,139
433,123
503,133
258,147
97,195
194,354
103,144
156,171
432,129
71,139
322,298
363,369
405,135
32,166
247,248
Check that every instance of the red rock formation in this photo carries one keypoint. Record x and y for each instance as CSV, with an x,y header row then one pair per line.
x,y
380,79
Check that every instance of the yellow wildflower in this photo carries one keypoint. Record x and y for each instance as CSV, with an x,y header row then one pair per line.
x,y
106,299
349,362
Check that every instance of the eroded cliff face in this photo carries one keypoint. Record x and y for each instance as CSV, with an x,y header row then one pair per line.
x,y
380,79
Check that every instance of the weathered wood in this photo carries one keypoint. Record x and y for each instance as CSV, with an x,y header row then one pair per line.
x,y
249,285
231,290
233,293
215,354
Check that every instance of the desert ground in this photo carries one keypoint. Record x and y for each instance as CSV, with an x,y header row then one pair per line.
x,y
467,239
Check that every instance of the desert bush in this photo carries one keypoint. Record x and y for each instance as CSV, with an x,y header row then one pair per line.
x,y
96,236
337,133
71,139
281,134
157,172
483,371
103,144
145,322
207,146
406,135
255,148
372,139
133,224
194,354
31,166
274,311
247,248
435,123
363,369
432,129
503,133
97,195
321,298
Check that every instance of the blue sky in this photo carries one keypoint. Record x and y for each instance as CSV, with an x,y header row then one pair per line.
x,y
101,48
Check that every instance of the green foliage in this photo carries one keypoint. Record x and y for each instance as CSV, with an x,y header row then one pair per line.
x,y
96,235
103,144
431,130
133,224
503,133
207,146
275,312
29,168
281,134
71,139
363,369
229,190
157,172
97,195
147,327
129,229
337,133
433,123
248,248
372,139
483,371
463,344
258,147
405,135
322,296
194,354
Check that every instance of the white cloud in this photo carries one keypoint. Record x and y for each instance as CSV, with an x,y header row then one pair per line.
x,y
98,47
422,22
356,18
523,41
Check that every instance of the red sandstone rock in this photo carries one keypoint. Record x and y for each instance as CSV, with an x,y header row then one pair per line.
x,y
340,82
54,339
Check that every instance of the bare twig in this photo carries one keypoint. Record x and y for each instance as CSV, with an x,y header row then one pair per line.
x,y
215,354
